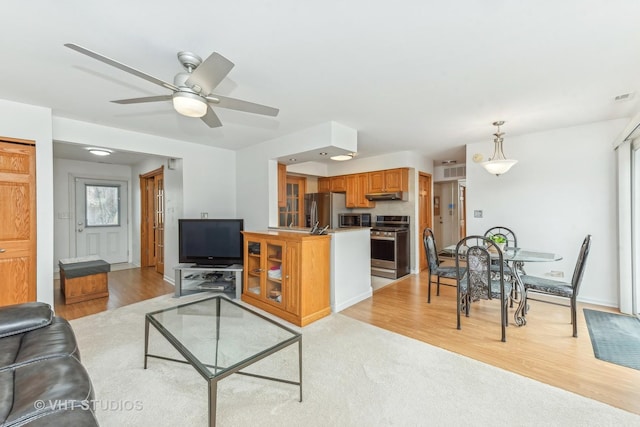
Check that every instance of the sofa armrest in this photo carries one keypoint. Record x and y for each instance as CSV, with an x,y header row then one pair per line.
x,y
21,318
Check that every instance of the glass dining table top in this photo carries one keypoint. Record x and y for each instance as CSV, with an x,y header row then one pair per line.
x,y
518,254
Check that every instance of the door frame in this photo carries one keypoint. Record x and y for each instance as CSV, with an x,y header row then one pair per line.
x,y
425,211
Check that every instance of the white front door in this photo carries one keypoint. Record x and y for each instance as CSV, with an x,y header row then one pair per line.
x,y
101,219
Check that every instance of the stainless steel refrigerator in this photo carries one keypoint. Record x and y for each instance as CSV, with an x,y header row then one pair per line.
x,y
324,209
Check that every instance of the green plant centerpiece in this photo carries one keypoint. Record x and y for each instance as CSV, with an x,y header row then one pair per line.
x,y
499,240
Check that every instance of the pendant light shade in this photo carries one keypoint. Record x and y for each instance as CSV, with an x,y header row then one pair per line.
x,y
498,163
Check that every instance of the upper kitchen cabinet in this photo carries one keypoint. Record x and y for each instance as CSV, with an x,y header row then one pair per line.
x,y
389,180
324,185
357,187
282,185
338,183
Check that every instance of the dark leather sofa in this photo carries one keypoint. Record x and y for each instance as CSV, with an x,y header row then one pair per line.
x,y
42,382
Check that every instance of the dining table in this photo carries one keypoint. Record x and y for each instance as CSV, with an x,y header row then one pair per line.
x,y
516,258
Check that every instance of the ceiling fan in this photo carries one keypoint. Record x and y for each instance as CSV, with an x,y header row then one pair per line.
x,y
192,91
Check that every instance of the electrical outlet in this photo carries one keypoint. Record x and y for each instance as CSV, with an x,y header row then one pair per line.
x,y
477,214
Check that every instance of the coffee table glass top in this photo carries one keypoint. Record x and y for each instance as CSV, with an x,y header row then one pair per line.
x,y
217,335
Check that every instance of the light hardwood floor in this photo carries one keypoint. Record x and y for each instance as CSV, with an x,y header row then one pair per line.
x,y
125,287
543,349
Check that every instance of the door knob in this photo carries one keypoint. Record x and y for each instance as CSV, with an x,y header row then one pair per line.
x,y
80,230
2,250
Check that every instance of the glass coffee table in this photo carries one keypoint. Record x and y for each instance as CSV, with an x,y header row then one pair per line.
x,y
219,337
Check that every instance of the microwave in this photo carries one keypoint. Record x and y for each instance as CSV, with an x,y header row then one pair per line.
x,y
354,220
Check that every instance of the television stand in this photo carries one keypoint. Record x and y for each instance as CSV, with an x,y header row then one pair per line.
x,y
192,278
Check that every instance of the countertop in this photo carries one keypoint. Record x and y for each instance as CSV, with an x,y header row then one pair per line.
x,y
329,231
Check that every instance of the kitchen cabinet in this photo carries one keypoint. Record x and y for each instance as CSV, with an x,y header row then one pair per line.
x,y
389,180
338,183
357,186
282,185
324,185
288,274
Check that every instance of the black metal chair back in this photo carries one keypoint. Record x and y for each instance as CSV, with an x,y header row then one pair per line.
x,y
476,277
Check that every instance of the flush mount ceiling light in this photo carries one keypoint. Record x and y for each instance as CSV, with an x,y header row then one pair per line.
x,y
189,104
498,163
100,151
343,157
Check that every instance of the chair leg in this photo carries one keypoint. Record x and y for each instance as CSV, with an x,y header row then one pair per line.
x,y
429,291
438,288
458,303
574,319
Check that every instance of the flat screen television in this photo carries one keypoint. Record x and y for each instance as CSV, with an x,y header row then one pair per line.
x,y
210,242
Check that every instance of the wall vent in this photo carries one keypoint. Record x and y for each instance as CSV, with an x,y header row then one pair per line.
x,y
455,172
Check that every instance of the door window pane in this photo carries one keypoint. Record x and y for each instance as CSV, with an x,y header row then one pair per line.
x,y
102,205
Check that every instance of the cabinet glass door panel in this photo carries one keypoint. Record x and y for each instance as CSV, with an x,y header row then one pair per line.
x,y
274,272
253,267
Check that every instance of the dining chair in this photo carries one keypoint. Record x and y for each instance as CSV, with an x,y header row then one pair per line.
x,y
433,263
544,286
477,281
512,242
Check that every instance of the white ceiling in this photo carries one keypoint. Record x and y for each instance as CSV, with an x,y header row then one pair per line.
x,y
408,75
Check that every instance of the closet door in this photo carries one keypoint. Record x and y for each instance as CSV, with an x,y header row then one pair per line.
x,y
17,221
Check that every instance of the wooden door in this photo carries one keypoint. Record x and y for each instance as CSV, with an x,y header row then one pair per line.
x,y
17,221
292,214
152,219
424,213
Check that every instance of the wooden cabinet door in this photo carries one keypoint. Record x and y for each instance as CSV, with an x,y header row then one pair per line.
x,y
339,183
324,185
254,266
376,181
17,222
351,197
362,186
291,278
393,180
274,272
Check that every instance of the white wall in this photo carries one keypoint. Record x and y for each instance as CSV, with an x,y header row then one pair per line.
x,y
64,204
562,189
34,123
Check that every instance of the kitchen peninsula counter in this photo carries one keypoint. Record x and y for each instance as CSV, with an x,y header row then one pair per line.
x,y
350,263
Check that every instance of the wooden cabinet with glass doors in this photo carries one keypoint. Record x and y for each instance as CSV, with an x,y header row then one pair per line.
x,y
287,274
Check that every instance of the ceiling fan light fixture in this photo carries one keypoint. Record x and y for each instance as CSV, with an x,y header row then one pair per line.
x,y
189,104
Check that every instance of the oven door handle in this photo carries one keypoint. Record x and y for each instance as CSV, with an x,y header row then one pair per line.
x,y
383,238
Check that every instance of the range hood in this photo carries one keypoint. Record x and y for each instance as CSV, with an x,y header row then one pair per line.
x,y
396,195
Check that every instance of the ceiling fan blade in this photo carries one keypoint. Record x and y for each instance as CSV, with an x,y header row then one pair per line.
x,y
145,99
121,66
210,73
238,104
211,118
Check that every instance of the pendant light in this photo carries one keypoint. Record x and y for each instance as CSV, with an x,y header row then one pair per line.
x,y
498,163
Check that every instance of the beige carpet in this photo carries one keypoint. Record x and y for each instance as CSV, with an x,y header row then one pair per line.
x,y
354,374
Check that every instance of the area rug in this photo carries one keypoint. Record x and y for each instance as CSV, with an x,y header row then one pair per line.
x,y
354,374
615,337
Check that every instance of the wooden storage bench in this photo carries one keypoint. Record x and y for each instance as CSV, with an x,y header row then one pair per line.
x,y
83,278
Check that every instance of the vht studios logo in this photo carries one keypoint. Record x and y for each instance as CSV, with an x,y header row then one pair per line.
x,y
85,405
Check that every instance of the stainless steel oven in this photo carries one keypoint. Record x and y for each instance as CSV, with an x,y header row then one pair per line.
x,y
390,246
